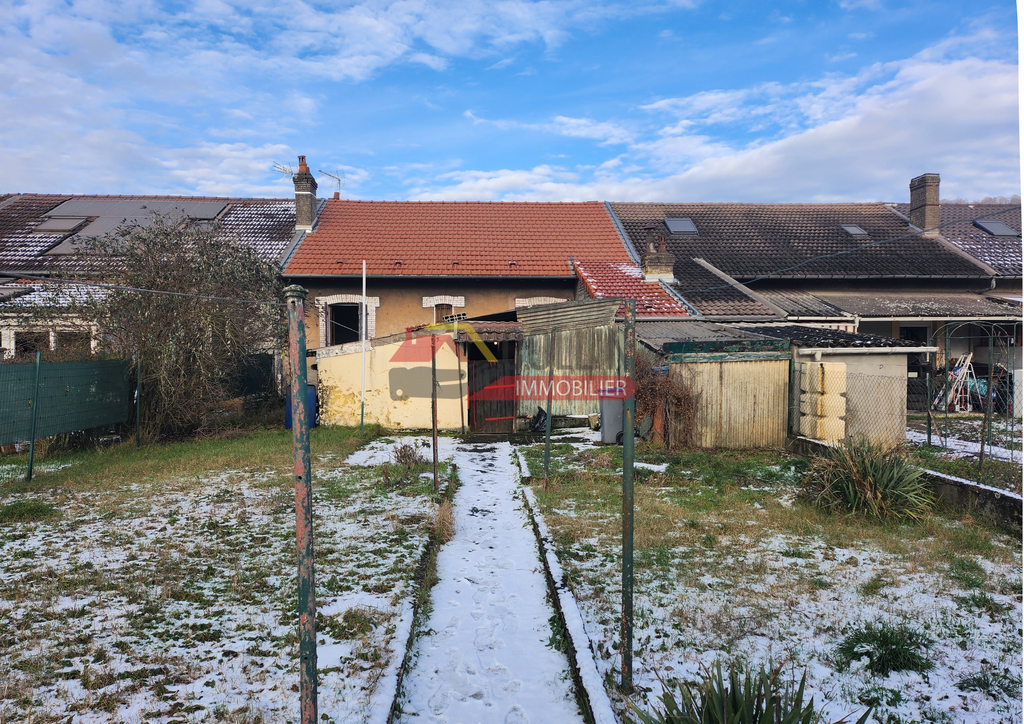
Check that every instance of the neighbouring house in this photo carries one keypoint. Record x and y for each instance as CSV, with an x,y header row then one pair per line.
x,y
40,235
856,267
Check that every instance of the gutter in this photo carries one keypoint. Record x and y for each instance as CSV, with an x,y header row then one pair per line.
x,y
818,351
488,277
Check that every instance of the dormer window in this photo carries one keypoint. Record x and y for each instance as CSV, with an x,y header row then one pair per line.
x,y
995,228
681,227
854,230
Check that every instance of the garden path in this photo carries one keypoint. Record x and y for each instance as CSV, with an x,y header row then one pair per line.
x,y
485,656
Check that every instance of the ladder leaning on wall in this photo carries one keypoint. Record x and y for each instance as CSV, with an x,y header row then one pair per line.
x,y
955,394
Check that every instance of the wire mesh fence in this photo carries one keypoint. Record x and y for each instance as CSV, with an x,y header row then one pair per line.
x,y
836,403
43,400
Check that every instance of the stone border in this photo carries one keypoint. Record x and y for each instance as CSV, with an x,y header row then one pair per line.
x,y
999,507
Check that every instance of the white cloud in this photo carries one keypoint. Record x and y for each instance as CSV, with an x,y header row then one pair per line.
x,y
501,64
604,132
855,138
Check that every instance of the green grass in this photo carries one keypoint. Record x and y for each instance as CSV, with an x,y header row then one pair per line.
x,y
967,573
124,463
995,473
888,646
27,511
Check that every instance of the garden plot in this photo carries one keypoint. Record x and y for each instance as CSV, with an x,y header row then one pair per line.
x,y
174,599
731,565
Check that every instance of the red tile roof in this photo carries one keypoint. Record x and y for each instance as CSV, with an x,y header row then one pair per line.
x,y
429,237
626,280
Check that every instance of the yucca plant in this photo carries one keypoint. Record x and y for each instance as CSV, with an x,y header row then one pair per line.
x,y
748,698
860,476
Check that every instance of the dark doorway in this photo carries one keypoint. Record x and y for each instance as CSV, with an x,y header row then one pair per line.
x,y
491,415
344,323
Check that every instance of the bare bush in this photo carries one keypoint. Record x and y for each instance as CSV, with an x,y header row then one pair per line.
x,y
194,350
658,394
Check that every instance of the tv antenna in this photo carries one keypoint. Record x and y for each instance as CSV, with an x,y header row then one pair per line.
x,y
338,178
285,169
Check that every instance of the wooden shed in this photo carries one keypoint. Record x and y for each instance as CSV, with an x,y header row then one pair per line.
x,y
740,380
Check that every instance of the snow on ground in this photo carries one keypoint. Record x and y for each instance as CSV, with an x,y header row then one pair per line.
x,y
175,600
485,654
964,448
730,587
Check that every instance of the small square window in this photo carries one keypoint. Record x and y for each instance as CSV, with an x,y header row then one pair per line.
x,y
854,230
681,227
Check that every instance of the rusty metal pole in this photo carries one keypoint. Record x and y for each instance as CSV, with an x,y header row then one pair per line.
x,y
295,297
628,421
547,424
458,362
433,403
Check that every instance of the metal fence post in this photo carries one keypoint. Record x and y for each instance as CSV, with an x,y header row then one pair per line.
x,y
628,421
986,428
138,402
295,297
547,424
35,417
433,404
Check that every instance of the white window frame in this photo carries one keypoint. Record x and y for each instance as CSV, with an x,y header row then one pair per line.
x,y
322,303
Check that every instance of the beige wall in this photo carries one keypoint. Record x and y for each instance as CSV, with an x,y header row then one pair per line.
x,y
874,387
401,300
397,390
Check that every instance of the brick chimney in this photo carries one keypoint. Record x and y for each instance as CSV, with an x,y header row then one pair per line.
x,y
924,202
658,265
305,197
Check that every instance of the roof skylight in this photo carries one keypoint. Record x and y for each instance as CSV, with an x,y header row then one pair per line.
x,y
681,227
854,230
995,228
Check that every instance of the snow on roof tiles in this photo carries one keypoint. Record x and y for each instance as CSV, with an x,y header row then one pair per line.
x,y
621,279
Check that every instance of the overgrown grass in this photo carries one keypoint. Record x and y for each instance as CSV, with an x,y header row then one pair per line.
x,y
136,556
888,647
729,557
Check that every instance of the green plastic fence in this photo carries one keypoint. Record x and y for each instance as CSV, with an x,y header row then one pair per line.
x,y
72,396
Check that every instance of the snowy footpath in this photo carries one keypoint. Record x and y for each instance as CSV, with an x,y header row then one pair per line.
x,y
484,655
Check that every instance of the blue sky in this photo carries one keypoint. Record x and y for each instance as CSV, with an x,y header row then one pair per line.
x,y
832,100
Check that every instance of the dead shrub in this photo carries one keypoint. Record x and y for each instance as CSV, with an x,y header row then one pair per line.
x,y
662,394
443,525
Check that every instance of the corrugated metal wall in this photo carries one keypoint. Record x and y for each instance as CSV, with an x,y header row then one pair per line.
x,y
568,315
581,351
739,404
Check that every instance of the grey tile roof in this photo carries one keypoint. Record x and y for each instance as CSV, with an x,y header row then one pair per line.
x,y
30,293
656,334
711,295
1002,253
938,304
798,241
800,303
820,337
265,224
